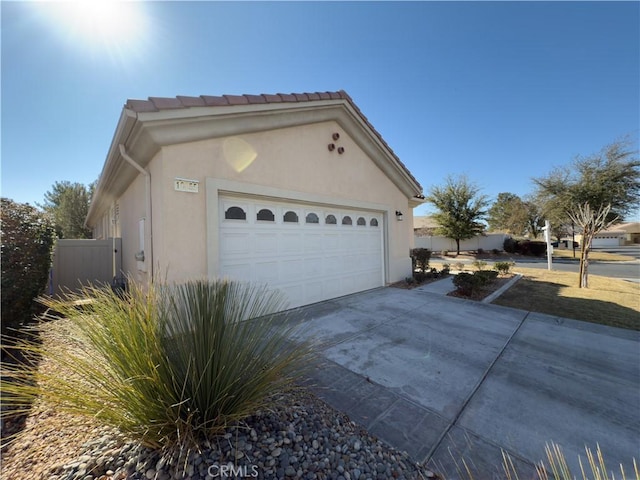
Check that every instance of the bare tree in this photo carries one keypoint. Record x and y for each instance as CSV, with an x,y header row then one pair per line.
x,y
591,221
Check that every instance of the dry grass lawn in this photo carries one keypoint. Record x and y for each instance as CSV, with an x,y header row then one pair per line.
x,y
607,301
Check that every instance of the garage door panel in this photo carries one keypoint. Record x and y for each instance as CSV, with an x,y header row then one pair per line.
x,y
290,243
266,242
267,272
235,243
308,262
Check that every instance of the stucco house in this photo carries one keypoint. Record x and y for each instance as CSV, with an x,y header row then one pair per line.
x,y
298,191
626,233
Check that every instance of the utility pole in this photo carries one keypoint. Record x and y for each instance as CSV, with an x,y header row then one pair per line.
x,y
547,237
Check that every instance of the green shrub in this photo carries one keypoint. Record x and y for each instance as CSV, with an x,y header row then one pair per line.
x,y
510,245
420,258
465,283
168,365
27,241
446,269
537,249
484,277
503,268
459,266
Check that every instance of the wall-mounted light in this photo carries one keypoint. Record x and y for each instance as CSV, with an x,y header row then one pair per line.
x,y
399,215
331,147
340,150
140,256
335,136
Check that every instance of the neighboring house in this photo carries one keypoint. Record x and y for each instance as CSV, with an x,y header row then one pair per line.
x,y
619,234
424,226
298,191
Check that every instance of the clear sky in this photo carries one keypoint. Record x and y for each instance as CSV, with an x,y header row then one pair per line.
x,y
499,91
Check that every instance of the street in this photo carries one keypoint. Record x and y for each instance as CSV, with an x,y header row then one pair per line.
x,y
626,270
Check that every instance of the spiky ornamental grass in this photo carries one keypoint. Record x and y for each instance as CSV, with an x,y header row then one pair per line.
x,y
169,365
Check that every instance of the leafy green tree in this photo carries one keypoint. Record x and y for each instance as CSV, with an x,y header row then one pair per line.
x,y
68,204
27,240
460,209
607,181
608,177
508,214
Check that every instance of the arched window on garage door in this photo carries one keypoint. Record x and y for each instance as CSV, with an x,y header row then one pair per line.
x,y
290,217
235,213
361,222
346,220
330,220
312,218
265,215
374,222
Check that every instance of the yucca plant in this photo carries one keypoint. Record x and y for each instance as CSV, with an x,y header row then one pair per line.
x,y
167,365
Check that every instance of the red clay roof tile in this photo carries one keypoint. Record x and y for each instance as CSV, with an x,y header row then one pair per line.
x,y
141,106
192,101
255,98
215,101
162,103
237,99
272,98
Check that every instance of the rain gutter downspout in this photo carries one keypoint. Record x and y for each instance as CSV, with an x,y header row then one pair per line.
x,y
147,187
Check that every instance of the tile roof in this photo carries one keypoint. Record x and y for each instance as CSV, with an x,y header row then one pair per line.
x,y
155,104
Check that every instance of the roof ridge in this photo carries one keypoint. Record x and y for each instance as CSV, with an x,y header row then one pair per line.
x,y
155,104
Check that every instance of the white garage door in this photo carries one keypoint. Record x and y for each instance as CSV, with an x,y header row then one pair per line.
x,y
606,242
311,253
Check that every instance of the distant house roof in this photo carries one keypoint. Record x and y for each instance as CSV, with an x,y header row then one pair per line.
x,y
627,227
425,225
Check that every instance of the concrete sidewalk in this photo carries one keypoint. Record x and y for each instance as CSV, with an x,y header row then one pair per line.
x,y
446,379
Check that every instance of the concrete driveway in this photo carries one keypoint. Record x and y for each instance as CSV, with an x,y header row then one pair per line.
x,y
447,379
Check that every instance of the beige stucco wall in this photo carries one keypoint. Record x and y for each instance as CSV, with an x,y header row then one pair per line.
x,y
288,161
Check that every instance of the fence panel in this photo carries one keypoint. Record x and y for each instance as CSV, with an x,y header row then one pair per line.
x,y
80,262
438,243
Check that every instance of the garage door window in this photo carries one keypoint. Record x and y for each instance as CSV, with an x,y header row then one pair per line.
x,y
312,218
347,220
330,220
290,217
266,215
374,222
235,213
362,222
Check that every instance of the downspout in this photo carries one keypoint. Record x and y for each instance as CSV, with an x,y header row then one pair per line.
x,y
147,187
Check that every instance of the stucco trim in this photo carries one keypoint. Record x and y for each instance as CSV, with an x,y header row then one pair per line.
x,y
216,187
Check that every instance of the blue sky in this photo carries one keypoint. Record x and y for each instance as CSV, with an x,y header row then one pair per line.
x,y
499,91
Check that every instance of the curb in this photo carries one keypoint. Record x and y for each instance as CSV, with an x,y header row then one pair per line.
x,y
501,290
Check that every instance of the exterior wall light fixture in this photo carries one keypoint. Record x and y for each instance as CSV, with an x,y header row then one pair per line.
x,y
399,215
